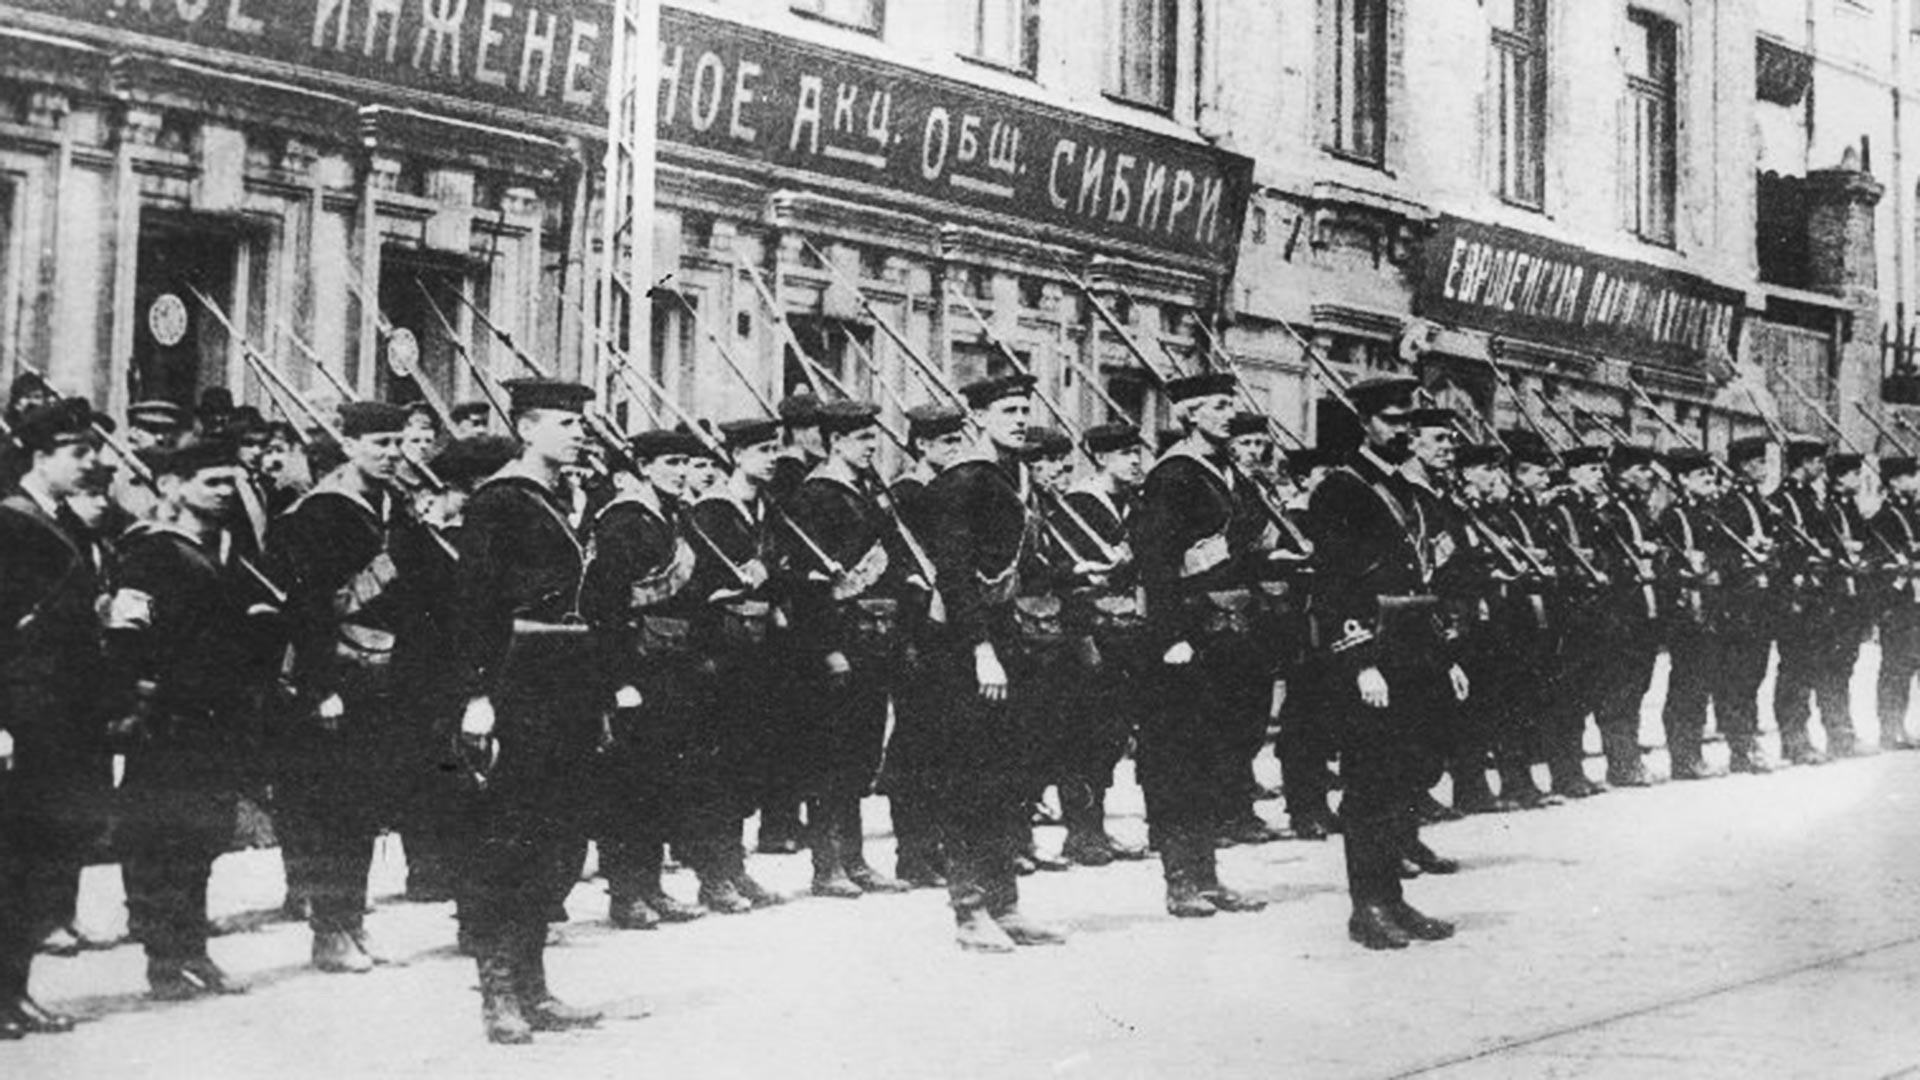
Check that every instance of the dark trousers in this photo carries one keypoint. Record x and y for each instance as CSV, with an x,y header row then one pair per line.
x,y
338,790
660,782
1623,671
47,822
1098,709
177,817
1817,654
971,758
1899,662
1307,739
781,736
1193,771
845,739
1691,651
1387,769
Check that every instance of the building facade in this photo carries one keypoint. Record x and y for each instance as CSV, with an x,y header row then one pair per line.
x,y
324,173
1551,207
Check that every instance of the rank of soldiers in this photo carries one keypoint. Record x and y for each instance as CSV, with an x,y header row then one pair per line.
x,y
509,646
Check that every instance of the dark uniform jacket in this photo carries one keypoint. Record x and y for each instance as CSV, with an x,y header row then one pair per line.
x,y
728,533
636,582
859,612
51,575
194,668
1381,544
1192,535
518,631
984,543
341,557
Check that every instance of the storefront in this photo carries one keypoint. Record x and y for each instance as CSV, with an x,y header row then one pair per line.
x,y
1582,336
867,198
317,169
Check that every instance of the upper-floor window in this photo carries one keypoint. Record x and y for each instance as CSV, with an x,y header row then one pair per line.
x,y
1355,83
1006,33
1142,52
1652,140
868,15
1520,93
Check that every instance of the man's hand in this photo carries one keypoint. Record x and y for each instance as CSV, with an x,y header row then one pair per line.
x,y
754,573
838,668
1373,687
1179,655
6,750
330,711
476,724
127,609
1460,685
988,672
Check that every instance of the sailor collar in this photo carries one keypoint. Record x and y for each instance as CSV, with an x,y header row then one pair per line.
x,y
1181,449
335,483
1092,488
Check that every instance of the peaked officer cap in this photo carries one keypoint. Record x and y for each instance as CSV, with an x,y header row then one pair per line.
x,y
157,415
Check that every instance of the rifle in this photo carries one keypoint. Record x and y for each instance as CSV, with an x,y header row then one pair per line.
x,y
1881,426
460,349
719,346
928,373
1274,427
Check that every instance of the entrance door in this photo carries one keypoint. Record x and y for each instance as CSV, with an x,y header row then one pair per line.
x,y
178,346
419,361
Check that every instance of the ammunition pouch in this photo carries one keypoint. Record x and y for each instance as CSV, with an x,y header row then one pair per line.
x,y
1039,620
745,624
873,625
1415,620
658,637
1225,612
1114,614
541,651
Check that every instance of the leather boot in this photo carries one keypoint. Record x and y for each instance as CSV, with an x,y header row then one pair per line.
x,y
632,913
335,952
1184,900
869,880
542,1010
1798,750
757,894
829,877
499,1002
1417,925
1221,897
37,1019
671,910
1374,927
1025,931
978,932
1746,755
723,897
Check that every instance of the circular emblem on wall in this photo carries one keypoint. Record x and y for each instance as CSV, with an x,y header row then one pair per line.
x,y
167,320
403,352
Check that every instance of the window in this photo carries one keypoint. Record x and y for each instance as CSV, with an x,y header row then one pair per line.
x,y
868,15
1651,139
1356,79
1142,51
1520,89
1006,33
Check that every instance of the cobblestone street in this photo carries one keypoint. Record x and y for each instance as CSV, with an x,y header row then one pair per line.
x,y
1745,927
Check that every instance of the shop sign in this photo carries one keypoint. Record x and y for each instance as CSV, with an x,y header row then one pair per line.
x,y
834,116
542,56
1519,285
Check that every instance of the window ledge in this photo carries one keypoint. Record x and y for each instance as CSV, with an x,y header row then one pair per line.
x,y
995,65
828,20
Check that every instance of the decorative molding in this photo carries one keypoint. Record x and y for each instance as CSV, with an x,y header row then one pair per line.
x,y
1151,282
1358,321
820,218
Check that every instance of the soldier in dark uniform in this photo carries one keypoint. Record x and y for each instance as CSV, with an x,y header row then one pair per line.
x,y
1850,603
1504,644
1898,525
658,769
1457,746
1809,637
535,697
1632,613
1194,537
977,684
937,437
339,550
1276,566
1750,604
470,420
187,729
1580,669
849,621
1521,690
51,579
780,828
1309,736
28,392
1065,662
1697,557
430,701
737,579
1094,518
1379,549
